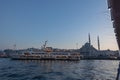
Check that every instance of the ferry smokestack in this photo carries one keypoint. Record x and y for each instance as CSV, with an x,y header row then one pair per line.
x,y
98,43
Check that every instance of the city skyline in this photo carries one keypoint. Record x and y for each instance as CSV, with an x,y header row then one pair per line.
x,y
64,23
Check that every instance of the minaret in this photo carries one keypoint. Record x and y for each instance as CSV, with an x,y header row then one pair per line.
x,y
98,43
89,48
89,39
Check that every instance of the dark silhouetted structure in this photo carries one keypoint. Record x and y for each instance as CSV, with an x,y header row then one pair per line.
x,y
114,6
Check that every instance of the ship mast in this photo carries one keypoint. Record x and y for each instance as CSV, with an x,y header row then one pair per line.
x,y
44,46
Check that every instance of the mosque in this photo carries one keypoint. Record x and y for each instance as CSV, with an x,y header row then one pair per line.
x,y
88,51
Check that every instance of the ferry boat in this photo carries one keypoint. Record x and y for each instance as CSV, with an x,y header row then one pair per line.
x,y
46,53
46,56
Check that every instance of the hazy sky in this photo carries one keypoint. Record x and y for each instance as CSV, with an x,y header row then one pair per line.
x,y
28,23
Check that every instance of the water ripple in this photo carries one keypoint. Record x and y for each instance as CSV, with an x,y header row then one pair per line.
x,y
58,70
39,77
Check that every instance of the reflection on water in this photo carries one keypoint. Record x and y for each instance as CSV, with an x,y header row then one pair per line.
x,y
57,70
